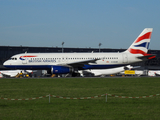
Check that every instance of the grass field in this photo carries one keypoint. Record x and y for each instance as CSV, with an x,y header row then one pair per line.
x,y
88,109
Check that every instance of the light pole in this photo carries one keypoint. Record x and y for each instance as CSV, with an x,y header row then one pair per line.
x,y
99,46
62,46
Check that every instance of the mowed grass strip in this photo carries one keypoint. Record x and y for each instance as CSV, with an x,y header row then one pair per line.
x,y
97,108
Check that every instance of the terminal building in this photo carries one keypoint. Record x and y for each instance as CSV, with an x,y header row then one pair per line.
x,y
7,51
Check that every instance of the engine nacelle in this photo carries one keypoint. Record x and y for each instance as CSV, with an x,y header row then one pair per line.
x,y
61,70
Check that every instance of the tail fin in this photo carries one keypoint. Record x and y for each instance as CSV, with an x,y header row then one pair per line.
x,y
141,44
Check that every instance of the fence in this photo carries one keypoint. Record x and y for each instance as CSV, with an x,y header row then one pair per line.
x,y
76,98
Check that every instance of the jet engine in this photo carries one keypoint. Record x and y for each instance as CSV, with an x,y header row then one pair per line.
x,y
61,70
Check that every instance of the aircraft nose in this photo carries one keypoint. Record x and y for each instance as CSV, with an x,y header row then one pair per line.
x,y
5,63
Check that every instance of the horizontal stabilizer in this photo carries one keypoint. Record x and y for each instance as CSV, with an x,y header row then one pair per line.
x,y
146,57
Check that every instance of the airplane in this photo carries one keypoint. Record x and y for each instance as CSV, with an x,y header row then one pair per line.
x,y
64,63
13,73
153,73
103,72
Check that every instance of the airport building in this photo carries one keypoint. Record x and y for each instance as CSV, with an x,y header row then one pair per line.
x,y
7,51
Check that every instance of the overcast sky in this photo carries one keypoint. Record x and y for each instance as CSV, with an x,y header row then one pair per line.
x,y
78,23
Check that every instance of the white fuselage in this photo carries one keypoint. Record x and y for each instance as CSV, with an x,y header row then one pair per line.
x,y
46,60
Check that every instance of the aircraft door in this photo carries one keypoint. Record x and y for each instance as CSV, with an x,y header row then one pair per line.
x,y
24,61
125,58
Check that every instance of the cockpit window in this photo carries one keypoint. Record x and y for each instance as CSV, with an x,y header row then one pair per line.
x,y
13,59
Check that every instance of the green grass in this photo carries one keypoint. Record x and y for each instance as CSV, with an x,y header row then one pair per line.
x,y
88,109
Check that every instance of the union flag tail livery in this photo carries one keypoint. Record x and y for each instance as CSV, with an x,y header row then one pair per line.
x,y
64,63
141,44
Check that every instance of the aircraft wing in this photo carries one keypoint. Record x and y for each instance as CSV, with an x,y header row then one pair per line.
x,y
148,56
80,63
10,74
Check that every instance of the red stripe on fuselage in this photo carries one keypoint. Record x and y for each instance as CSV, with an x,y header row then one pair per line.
x,y
136,51
145,36
28,56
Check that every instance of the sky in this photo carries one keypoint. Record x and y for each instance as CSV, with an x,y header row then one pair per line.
x,y
78,23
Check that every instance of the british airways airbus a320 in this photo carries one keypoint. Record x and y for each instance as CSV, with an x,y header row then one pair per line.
x,y
63,63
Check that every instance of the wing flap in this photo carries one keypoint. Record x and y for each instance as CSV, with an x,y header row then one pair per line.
x,y
79,63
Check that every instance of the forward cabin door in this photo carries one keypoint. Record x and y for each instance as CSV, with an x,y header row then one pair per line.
x,y
24,61
125,58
